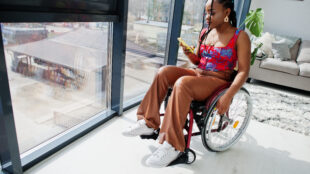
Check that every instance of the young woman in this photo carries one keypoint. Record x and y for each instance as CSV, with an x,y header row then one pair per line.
x,y
223,47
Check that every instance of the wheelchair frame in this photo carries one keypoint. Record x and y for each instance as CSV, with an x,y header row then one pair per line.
x,y
198,112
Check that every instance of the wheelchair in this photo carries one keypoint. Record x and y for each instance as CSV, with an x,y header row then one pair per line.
x,y
218,132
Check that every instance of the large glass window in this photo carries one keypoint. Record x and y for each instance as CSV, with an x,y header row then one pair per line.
x,y
146,44
57,76
191,26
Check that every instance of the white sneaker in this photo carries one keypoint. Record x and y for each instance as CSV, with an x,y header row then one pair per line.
x,y
139,128
163,156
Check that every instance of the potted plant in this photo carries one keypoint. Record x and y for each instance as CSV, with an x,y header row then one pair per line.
x,y
254,22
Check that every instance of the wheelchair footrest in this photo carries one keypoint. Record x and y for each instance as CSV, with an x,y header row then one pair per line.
x,y
186,157
152,136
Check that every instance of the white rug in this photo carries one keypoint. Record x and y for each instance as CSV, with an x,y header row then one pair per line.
x,y
282,108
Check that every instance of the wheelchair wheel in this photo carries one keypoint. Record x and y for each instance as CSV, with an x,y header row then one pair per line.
x,y
221,132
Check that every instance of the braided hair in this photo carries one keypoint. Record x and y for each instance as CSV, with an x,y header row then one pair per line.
x,y
232,17
226,4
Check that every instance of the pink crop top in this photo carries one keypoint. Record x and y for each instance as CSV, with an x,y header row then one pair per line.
x,y
219,58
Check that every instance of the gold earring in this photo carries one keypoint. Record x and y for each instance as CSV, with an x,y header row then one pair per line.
x,y
226,19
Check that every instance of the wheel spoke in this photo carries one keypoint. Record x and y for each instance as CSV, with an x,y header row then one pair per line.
x,y
238,111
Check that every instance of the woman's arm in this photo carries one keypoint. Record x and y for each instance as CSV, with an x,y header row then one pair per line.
x,y
192,56
244,58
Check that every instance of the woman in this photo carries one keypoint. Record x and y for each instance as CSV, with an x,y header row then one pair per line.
x,y
218,54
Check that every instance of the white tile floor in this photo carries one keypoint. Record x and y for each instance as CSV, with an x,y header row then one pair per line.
x,y
263,149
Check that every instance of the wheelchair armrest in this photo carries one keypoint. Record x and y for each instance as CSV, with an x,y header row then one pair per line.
x,y
233,75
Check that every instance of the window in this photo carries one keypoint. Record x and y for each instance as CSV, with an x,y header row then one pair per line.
x,y
146,44
191,26
57,75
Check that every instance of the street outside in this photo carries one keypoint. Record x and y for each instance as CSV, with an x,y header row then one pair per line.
x,y
43,109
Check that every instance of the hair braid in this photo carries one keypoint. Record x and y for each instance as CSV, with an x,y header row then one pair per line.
x,y
232,16
208,31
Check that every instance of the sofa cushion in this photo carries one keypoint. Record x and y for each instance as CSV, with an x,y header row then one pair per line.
x,y
290,67
292,42
304,53
304,69
294,50
281,50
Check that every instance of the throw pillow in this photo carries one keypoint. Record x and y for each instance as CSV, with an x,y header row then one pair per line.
x,y
294,50
267,40
290,40
293,43
304,53
280,50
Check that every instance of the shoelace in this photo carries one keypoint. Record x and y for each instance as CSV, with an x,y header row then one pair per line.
x,y
161,152
137,125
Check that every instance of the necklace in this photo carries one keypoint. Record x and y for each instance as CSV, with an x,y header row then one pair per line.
x,y
213,40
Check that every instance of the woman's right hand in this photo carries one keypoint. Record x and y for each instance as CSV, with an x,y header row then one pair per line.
x,y
190,54
187,51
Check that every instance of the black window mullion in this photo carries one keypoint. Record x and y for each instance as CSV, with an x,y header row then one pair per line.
x,y
9,152
118,58
174,31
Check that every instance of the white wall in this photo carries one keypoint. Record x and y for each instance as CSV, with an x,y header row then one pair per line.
x,y
289,17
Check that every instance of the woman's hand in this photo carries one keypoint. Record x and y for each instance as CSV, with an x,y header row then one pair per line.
x,y
223,104
187,52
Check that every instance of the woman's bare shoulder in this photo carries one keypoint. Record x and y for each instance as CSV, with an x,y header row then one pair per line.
x,y
243,38
243,35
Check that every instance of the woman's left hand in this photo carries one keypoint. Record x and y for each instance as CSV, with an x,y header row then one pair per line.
x,y
223,104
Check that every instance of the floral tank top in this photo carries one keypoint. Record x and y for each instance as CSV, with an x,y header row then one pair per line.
x,y
219,58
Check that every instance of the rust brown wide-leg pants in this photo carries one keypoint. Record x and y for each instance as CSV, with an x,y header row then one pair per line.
x,y
188,85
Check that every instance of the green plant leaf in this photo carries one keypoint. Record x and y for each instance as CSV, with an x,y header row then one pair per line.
x,y
254,53
255,22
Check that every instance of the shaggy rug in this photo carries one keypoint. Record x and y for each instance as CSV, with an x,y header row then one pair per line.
x,y
281,107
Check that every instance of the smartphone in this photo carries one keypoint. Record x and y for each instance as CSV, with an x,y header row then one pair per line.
x,y
181,41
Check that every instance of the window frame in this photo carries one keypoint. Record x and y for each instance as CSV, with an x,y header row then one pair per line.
x,y
11,159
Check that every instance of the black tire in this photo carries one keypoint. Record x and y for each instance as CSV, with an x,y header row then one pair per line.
x,y
210,132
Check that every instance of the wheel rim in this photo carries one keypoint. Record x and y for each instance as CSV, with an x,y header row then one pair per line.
x,y
240,113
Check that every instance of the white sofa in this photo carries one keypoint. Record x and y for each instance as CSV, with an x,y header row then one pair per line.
x,y
291,73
